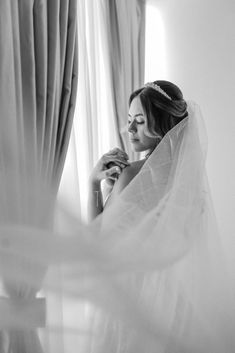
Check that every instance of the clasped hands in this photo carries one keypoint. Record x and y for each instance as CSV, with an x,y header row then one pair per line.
x,y
110,166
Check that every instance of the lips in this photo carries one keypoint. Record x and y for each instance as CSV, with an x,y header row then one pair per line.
x,y
134,140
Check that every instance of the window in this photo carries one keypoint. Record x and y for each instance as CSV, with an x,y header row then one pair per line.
x,y
155,47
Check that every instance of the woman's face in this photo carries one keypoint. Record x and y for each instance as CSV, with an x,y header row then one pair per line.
x,y
137,128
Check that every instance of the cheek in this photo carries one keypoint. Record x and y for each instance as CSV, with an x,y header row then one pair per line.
x,y
145,136
143,129
146,133
150,141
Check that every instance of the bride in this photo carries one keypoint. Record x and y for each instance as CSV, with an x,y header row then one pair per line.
x,y
152,113
158,229
150,264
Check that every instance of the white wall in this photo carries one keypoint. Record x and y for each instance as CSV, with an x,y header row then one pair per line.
x,y
200,52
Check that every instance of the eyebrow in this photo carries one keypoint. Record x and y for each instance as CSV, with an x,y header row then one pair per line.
x,y
140,114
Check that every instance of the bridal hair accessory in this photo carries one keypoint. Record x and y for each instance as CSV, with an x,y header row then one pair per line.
x,y
157,88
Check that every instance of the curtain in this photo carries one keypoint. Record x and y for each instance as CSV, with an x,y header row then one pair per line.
x,y
111,66
38,70
126,28
39,76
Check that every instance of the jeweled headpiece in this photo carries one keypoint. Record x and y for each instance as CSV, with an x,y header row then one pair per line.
x,y
157,88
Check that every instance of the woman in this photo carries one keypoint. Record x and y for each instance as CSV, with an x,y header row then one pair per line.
x,y
167,280
153,110
151,264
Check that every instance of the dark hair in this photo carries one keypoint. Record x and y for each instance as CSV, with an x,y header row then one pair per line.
x,y
162,113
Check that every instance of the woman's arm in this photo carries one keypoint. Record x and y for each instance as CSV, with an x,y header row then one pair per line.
x,y
101,171
95,201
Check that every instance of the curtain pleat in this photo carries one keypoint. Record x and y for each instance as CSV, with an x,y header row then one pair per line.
x,y
41,63
68,92
53,83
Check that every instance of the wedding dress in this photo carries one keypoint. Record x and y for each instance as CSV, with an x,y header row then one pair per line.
x,y
149,273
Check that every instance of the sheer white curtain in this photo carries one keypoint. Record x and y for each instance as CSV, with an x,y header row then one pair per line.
x,y
111,65
94,130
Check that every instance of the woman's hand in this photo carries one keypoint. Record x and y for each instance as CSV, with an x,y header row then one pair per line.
x,y
109,166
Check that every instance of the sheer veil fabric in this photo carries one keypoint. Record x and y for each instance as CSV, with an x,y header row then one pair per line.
x,y
162,230
149,274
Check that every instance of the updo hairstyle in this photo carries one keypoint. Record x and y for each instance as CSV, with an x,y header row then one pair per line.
x,y
162,113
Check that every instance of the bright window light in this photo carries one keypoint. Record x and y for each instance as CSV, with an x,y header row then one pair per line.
x,y
155,48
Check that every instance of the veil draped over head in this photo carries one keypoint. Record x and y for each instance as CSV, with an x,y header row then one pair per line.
x,y
148,273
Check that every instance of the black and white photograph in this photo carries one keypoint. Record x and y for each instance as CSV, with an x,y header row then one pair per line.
x,y
117,192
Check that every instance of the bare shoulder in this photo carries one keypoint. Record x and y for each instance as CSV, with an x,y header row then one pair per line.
x,y
127,175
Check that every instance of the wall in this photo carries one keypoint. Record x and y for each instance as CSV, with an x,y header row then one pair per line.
x,y
200,52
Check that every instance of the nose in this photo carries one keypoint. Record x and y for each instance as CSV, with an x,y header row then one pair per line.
x,y
132,127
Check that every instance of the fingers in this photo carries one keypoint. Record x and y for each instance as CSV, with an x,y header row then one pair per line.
x,y
118,152
108,160
115,157
109,173
113,173
111,164
110,181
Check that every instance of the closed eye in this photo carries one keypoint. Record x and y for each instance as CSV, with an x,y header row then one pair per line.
x,y
138,122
